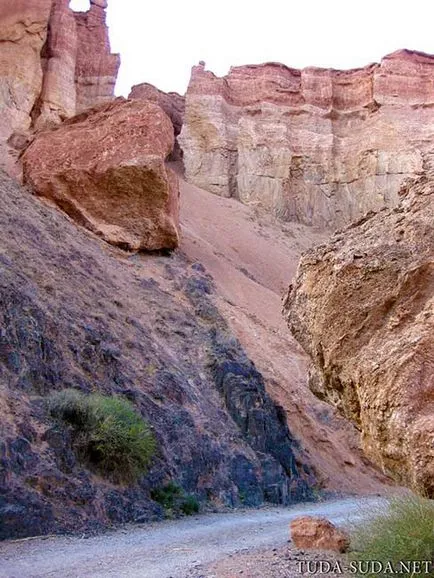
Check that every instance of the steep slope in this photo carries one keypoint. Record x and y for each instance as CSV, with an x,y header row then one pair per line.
x,y
75,312
362,307
253,259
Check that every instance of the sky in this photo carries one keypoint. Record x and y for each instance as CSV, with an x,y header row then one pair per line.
x,y
160,40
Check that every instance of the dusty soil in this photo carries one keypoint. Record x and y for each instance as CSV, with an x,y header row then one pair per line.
x,y
253,259
253,544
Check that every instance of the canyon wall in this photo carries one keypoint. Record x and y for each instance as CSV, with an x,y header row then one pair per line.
x,y
362,308
317,146
54,63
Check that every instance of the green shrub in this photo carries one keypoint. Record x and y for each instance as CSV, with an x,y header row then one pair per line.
x,y
108,434
174,500
401,531
189,506
167,495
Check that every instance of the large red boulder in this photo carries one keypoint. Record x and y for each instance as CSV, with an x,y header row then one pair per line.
x,y
106,169
312,533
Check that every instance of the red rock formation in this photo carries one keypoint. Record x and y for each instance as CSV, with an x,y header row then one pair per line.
x,y
362,308
312,533
106,169
57,99
53,63
23,29
95,77
313,145
173,105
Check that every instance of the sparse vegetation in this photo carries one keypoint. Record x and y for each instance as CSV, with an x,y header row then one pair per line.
x,y
174,500
108,433
189,506
404,531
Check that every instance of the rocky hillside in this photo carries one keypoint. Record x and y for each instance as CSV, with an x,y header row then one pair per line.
x,y
362,308
191,331
252,259
75,312
316,146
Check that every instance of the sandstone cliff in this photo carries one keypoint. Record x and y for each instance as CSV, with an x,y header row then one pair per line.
x,y
362,307
53,64
173,105
317,146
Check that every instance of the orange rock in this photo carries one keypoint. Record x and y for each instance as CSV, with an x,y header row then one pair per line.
x,y
106,169
23,32
311,533
173,105
96,68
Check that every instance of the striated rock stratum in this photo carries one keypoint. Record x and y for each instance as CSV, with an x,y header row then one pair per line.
x,y
106,169
54,63
314,145
362,307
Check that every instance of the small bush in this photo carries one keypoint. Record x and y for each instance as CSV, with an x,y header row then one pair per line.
x,y
401,531
190,506
167,495
174,500
109,435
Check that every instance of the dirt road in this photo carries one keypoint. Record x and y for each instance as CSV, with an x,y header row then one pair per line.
x,y
172,549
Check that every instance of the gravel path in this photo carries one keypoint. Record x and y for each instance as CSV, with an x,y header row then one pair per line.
x,y
171,549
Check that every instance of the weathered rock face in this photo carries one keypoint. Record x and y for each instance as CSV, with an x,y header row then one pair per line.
x,y
313,145
312,533
173,105
53,63
95,77
57,98
23,30
106,169
363,309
